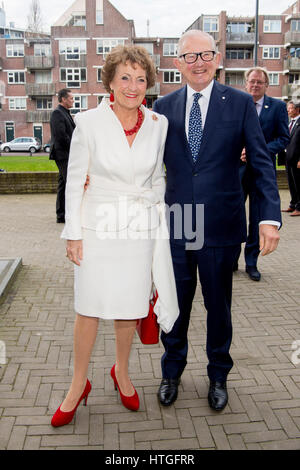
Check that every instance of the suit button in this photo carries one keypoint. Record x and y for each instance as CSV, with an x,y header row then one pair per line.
x,y
195,174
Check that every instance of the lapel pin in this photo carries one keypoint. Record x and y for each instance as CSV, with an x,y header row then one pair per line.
x,y
223,98
266,106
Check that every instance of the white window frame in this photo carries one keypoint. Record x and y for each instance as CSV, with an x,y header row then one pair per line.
x,y
213,23
78,100
147,45
15,50
170,49
72,49
268,24
99,17
105,45
234,78
75,74
172,72
273,78
99,70
42,74
295,21
13,100
42,50
267,52
15,75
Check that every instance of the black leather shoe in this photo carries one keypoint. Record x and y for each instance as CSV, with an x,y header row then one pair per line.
x,y
60,220
253,272
217,395
168,391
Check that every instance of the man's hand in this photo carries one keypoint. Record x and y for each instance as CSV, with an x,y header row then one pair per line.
x,y
74,251
268,238
87,182
298,165
243,156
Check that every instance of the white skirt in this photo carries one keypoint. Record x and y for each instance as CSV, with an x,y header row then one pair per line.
x,y
114,279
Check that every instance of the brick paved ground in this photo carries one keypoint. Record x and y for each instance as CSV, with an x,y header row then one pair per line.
x,y
36,322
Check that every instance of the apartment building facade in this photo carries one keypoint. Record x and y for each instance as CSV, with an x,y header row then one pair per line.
x,y
33,67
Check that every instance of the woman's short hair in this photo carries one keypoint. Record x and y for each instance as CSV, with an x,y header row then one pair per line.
x,y
123,54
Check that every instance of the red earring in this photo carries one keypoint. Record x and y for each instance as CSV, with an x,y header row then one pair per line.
x,y
144,102
111,97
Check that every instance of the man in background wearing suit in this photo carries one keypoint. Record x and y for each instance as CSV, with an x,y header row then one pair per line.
x,y
273,119
62,127
209,125
293,159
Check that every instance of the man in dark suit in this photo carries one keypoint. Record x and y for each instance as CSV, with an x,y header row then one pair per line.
x,y
273,119
203,172
62,126
293,159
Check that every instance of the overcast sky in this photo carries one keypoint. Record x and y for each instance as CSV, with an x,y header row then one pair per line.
x,y
167,17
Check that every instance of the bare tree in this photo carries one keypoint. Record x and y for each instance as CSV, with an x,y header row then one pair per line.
x,y
34,18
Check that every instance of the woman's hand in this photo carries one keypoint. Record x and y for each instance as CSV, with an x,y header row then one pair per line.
x,y
74,251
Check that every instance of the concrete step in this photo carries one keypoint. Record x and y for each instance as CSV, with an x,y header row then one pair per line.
x,y
8,270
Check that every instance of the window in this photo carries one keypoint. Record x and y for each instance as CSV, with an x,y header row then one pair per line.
x,y
271,53
234,79
104,46
295,25
147,45
17,103
16,77
73,77
43,103
72,49
99,16
294,78
237,28
171,76
210,24
42,49
295,52
100,98
234,54
99,71
80,103
43,77
170,49
272,26
15,50
274,78
77,20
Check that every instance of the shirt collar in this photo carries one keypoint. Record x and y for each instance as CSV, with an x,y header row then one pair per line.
x,y
261,101
206,92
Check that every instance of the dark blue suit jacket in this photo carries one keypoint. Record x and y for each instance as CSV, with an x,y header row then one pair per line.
x,y
231,124
274,123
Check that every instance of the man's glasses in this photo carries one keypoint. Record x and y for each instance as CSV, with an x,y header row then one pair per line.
x,y
192,57
256,82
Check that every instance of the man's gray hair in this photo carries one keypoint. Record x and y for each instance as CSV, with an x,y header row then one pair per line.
x,y
258,69
194,32
296,104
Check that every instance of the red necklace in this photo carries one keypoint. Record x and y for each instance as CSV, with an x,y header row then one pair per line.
x,y
138,123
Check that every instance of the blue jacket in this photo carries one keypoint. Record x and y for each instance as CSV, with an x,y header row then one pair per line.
x,y
231,124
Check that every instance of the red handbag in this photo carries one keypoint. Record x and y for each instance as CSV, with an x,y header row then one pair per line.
x,y
148,328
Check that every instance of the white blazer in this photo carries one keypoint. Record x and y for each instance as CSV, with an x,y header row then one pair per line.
x,y
121,176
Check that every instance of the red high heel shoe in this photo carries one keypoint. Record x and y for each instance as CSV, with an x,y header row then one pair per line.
x,y
60,418
132,402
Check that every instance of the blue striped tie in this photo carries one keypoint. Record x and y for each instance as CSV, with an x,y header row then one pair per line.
x,y
195,128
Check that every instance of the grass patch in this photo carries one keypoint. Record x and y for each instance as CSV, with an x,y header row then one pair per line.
x,y
11,163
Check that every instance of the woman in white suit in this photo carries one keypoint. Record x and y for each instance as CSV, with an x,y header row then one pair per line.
x,y
111,228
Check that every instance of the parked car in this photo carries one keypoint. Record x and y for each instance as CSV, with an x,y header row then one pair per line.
x,y
22,144
46,147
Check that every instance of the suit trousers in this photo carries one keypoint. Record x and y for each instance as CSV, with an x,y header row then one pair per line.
x,y
62,166
214,267
293,174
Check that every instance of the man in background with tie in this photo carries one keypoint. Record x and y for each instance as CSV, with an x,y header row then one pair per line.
x,y
273,119
293,159
209,125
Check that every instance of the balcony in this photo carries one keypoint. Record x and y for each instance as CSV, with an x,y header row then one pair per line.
x,y
155,90
38,116
73,63
40,89
39,62
292,64
241,39
292,37
291,90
